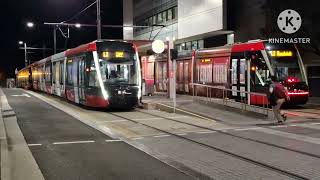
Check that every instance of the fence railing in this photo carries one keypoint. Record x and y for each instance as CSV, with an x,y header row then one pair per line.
x,y
225,96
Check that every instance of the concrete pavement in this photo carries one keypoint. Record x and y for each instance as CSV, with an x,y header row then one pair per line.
x,y
65,148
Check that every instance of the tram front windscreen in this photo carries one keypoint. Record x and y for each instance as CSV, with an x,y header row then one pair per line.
x,y
285,62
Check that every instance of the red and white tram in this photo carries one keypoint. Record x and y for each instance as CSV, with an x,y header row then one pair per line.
x,y
242,66
100,74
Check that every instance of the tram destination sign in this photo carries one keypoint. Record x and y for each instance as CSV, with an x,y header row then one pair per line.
x,y
107,55
282,53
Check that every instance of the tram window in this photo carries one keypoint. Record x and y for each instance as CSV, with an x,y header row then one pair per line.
x,y
61,72
93,79
260,73
48,73
69,72
54,73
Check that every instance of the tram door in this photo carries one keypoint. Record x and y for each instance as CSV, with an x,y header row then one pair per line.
x,y
81,75
238,78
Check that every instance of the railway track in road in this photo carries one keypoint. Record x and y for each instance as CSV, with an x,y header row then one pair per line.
x,y
221,150
237,136
306,112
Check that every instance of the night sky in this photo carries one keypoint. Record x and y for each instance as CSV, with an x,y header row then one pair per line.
x,y
16,13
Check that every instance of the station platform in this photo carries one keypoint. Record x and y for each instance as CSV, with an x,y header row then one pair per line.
x,y
201,107
198,142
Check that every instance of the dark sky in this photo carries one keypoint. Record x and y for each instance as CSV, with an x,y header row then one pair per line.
x,y
15,14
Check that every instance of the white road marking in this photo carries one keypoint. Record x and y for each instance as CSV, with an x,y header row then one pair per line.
x,y
160,136
315,124
206,132
247,129
30,145
177,117
290,135
22,95
73,142
113,140
147,119
182,134
139,138
113,121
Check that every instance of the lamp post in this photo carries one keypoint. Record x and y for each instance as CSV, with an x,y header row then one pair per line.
x,y
25,52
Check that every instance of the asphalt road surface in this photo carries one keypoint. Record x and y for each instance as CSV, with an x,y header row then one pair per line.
x,y
65,148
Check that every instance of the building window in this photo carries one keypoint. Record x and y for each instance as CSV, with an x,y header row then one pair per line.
x,y
200,44
169,14
188,46
150,21
164,16
175,13
154,21
160,18
194,45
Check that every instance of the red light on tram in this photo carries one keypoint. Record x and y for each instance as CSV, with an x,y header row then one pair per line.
x,y
292,80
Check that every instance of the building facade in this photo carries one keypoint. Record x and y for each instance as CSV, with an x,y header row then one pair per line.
x,y
196,24
174,19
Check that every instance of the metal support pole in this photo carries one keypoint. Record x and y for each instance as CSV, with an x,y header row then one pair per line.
x,y
55,40
98,20
25,55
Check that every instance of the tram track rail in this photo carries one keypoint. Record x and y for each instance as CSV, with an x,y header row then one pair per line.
x,y
237,136
217,149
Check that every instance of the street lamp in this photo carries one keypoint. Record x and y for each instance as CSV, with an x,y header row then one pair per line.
x,y
30,24
25,52
78,25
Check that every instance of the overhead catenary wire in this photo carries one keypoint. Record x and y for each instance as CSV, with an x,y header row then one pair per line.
x,y
79,13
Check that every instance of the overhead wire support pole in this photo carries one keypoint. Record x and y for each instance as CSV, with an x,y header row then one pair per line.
x,y
25,55
54,39
98,20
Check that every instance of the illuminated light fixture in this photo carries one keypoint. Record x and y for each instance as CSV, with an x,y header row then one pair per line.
x,y
298,93
127,28
167,38
281,53
119,54
206,60
87,69
78,25
105,54
158,46
30,24
292,80
21,42
253,68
